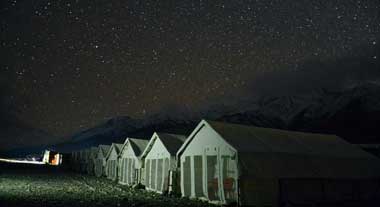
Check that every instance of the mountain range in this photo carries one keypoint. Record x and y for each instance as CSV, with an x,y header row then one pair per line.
x,y
352,113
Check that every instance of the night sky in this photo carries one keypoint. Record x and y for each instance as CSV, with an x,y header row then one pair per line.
x,y
67,65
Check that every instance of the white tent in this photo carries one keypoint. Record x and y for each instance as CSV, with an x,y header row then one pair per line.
x,y
230,163
130,162
160,162
91,160
112,158
100,160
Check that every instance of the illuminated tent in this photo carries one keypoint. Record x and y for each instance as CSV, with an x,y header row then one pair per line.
x,y
91,160
160,164
230,163
100,160
112,166
130,162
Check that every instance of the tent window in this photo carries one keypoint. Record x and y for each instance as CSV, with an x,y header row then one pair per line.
x,y
153,174
159,174
166,174
229,178
212,177
113,168
121,169
198,176
132,170
147,173
128,178
187,177
126,170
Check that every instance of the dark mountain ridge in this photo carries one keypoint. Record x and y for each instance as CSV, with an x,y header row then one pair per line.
x,y
352,114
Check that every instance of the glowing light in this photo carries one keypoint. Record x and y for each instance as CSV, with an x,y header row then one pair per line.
x,y
22,161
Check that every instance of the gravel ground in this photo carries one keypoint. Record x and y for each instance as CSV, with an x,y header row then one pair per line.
x,y
29,185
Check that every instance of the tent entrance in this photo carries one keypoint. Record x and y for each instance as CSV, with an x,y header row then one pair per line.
x,y
212,173
221,174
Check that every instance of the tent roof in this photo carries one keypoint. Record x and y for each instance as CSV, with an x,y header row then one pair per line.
x,y
172,142
266,152
138,145
117,148
104,149
257,139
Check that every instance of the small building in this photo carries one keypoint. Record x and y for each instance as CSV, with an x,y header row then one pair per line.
x,y
246,165
52,158
130,161
160,164
91,161
100,160
112,158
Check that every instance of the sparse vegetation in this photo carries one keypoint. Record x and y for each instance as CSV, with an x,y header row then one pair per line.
x,y
41,186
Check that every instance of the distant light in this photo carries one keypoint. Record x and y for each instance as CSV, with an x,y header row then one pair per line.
x,y
22,161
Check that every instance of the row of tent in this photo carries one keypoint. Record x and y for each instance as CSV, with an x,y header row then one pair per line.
x,y
227,163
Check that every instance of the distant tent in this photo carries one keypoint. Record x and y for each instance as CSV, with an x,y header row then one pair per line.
x,y
91,160
100,160
160,162
130,162
82,160
113,161
86,159
75,160
230,163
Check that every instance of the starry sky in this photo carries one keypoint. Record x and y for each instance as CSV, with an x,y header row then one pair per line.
x,y
67,65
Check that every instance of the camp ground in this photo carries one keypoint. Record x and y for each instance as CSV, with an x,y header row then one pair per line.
x,y
100,160
246,165
91,160
130,162
112,166
160,164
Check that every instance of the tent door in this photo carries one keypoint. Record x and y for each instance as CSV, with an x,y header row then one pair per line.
x,y
212,174
229,174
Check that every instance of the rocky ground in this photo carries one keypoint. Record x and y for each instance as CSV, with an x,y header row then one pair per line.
x,y
32,185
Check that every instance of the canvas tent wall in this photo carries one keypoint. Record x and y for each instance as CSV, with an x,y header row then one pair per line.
x,y
113,161
100,160
75,161
160,164
82,160
85,159
130,162
228,163
91,160
371,148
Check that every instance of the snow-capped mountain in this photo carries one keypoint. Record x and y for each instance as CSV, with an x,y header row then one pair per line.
x,y
353,114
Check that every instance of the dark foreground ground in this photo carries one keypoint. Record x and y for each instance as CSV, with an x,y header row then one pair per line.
x,y
24,185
